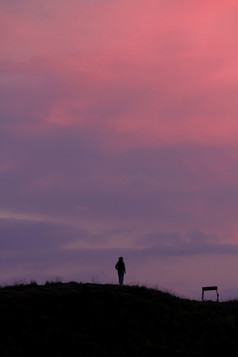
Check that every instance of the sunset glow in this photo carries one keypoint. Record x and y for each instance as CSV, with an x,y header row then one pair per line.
x,y
119,136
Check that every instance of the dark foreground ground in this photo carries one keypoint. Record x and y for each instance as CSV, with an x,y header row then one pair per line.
x,y
74,319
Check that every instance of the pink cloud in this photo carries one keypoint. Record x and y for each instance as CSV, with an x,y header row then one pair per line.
x,y
176,46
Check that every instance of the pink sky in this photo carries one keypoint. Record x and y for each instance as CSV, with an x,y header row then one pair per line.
x,y
119,137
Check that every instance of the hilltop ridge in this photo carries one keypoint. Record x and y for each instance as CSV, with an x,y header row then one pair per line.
x,y
76,319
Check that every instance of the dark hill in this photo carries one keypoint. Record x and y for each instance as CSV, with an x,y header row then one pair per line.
x,y
74,319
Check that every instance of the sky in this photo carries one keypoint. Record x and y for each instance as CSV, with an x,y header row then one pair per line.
x,y
119,137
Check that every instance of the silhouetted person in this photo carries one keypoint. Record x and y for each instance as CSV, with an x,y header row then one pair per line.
x,y
121,270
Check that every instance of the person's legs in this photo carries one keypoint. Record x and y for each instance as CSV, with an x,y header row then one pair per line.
x,y
121,277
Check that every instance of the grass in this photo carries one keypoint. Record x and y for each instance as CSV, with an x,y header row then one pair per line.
x,y
75,319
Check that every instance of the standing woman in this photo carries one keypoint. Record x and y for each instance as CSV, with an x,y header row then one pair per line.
x,y
121,270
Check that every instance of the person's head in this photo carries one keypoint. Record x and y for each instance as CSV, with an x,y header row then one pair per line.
x,y
120,258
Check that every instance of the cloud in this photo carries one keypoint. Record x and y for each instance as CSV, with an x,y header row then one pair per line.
x,y
40,249
58,174
118,127
178,245
168,82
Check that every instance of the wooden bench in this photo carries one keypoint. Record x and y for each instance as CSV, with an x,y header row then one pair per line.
x,y
208,288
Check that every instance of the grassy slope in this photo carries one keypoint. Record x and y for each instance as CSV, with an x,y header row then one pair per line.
x,y
107,320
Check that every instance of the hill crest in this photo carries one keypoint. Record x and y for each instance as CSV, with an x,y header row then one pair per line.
x,y
77,319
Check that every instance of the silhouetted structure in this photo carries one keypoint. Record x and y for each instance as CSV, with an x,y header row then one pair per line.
x,y
208,288
121,270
